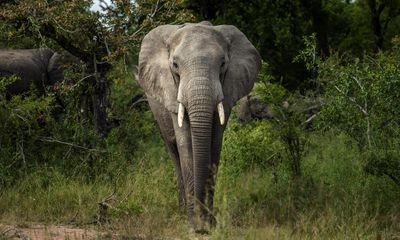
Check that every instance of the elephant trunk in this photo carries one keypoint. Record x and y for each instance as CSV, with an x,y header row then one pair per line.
x,y
201,107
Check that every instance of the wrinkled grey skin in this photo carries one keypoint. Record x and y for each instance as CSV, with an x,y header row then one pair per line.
x,y
40,67
198,66
253,108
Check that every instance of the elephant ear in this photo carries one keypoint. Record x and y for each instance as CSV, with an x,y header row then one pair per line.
x,y
155,76
54,69
244,65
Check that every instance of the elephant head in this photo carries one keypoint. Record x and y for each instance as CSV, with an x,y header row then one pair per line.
x,y
197,72
54,68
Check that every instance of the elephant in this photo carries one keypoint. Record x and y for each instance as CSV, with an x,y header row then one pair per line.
x,y
251,107
192,75
40,67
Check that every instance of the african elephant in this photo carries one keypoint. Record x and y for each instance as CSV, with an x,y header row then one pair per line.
x,y
253,108
192,75
40,67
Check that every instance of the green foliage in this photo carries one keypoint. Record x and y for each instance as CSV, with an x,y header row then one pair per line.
x,y
288,123
34,135
21,120
361,99
367,88
277,29
267,91
278,39
251,146
334,198
308,55
135,124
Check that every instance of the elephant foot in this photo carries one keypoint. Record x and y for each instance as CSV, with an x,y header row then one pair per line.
x,y
203,225
212,221
202,231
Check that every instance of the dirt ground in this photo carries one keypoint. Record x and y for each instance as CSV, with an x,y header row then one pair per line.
x,y
68,232
45,232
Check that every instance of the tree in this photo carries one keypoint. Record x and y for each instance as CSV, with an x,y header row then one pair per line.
x,y
319,21
207,9
361,99
382,12
99,40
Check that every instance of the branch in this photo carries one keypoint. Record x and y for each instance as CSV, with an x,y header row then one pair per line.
x,y
52,140
155,9
352,100
136,32
49,31
363,110
105,7
137,102
82,79
104,205
358,83
310,118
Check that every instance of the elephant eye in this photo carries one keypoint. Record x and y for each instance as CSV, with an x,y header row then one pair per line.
x,y
223,62
175,65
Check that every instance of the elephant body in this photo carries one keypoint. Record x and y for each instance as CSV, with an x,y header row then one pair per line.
x,y
192,75
39,67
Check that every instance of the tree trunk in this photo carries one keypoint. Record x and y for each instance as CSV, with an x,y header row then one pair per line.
x,y
319,24
99,97
376,11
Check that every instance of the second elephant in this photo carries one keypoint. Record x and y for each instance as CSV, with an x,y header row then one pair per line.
x,y
38,67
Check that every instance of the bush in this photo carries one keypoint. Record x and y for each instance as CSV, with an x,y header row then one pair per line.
x,y
250,146
24,121
361,99
33,135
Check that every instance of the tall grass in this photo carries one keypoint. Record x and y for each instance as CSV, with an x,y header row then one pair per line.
x,y
334,199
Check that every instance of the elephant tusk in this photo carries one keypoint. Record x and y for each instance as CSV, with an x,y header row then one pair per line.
x,y
181,114
221,113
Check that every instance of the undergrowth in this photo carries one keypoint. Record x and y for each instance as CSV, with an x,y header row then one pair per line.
x,y
335,198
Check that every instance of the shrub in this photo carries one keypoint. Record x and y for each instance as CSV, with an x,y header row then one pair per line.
x,y
361,98
250,146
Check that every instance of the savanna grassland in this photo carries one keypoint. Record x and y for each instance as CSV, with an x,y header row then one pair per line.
x,y
325,167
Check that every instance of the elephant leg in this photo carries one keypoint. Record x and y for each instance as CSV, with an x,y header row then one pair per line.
x,y
173,152
184,145
215,155
218,132
210,197
165,123
186,161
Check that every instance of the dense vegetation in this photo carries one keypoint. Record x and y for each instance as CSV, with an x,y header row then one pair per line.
x,y
326,167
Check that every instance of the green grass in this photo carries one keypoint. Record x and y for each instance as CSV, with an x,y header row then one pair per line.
x,y
335,199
